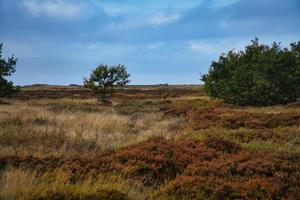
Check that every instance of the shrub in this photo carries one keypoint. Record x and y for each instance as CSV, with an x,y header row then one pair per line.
x,y
240,176
157,160
185,169
222,145
153,161
6,69
234,119
260,75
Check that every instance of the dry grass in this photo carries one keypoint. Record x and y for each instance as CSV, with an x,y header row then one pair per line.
x,y
26,184
38,129
163,147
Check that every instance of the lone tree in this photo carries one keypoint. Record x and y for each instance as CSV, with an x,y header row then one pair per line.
x,y
104,78
7,68
260,75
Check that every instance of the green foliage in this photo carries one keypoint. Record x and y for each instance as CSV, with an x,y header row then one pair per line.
x,y
104,78
6,69
260,75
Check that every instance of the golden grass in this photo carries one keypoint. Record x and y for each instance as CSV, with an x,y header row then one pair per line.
x,y
32,122
26,184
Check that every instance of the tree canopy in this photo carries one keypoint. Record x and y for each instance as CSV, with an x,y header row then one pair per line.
x,y
260,75
7,68
104,78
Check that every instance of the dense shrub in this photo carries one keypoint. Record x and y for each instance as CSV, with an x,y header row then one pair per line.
x,y
240,176
222,145
151,162
235,119
260,75
184,169
158,159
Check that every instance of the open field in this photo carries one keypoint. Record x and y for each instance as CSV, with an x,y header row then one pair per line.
x,y
153,142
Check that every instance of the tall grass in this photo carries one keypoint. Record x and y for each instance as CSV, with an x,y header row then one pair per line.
x,y
26,184
33,129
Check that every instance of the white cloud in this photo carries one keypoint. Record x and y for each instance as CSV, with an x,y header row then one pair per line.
x,y
54,8
215,47
223,3
134,21
155,45
202,47
160,19
144,6
212,47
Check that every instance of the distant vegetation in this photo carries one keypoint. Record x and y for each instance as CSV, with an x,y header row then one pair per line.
x,y
104,78
7,68
260,75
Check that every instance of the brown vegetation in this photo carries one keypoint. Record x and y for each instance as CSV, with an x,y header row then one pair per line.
x,y
156,148
217,169
78,92
233,119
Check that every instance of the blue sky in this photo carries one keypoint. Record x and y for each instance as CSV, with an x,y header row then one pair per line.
x,y
159,41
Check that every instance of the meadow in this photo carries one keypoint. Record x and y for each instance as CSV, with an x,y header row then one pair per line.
x,y
152,142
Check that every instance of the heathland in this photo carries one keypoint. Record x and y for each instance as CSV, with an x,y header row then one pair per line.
x,y
152,142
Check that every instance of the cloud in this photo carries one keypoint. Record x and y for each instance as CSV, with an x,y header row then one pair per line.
x,y
202,47
155,45
55,8
217,46
153,38
238,19
121,7
161,19
219,4
134,22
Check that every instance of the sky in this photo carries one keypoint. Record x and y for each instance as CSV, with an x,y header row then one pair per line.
x,y
159,41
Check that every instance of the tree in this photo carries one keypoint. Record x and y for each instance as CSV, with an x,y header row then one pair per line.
x,y
7,68
260,75
104,78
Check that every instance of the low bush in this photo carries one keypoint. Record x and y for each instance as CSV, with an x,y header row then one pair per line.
x,y
234,119
157,160
183,169
240,176
223,145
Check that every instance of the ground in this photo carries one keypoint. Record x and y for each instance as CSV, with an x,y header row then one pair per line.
x,y
153,142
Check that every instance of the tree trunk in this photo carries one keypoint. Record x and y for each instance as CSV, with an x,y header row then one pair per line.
x,y
103,99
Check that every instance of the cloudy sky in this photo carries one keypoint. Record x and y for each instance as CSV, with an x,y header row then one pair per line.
x,y
159,41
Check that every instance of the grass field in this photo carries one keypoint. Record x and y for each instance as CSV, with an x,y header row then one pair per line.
x,y
153,142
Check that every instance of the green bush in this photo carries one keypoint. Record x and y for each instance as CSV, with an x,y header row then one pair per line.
x,y
260,75
6,69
